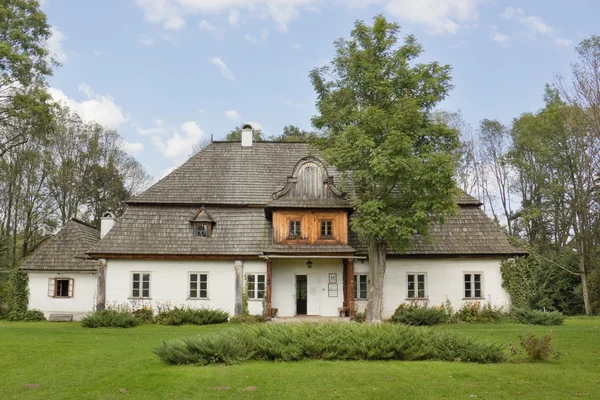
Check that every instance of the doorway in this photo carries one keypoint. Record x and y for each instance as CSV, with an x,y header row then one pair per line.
x,y
301,294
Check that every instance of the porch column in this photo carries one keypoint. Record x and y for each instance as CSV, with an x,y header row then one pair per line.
x,y
346,282
239,286
269,290
350,271
101,285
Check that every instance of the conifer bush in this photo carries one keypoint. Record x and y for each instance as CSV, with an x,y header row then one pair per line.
x,y
27,316
418,315
537,317
191,316
110,319
287,342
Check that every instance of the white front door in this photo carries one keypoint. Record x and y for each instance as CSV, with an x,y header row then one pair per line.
x,y
314,296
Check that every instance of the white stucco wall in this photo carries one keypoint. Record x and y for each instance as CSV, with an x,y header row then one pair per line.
x,y
169,282
444,280
283,278
82,302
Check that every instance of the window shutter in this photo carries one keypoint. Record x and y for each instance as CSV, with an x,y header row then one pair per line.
x,y
51,286
71,287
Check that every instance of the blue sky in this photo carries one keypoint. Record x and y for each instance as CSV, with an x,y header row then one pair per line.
x,y
167,73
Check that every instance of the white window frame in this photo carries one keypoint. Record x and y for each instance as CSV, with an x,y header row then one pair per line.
x,y
425,286
473,297
141,288
357,288
189,286
253,293
52,287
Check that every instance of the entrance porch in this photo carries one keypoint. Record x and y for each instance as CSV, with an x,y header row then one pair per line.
x,y
310,286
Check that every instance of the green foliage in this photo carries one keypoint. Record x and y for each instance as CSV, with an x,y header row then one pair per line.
x,y
27,316
292,133
538,349
287,342
360,317
236,135
20,294
537,317
191,316
247,319
417,314
144,314
110,319
474,312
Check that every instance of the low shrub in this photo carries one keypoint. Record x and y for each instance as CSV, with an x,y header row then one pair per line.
x,y
247,319
27,316
536,317
110,319
287,342
415,314
360,317
538,349
191,316
474,312
144,314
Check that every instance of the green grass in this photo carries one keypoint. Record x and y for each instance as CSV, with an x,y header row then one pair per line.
x,y
70,362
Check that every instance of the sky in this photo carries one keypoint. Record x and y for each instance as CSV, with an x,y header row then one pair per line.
x,y
167,74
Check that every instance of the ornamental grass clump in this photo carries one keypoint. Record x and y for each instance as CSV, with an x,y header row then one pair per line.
x,y
283,342
110,319
191,316
537,317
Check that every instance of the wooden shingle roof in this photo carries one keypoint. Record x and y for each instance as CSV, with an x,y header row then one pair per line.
x,y
66,251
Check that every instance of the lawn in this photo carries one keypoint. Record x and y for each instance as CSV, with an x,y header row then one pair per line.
x,y
63,360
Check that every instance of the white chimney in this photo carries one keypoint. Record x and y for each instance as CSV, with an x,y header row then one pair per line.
x,y
247,133
106,224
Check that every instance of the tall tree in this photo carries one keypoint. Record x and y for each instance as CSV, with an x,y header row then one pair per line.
x,y
374,104
236,135
25,63
292,133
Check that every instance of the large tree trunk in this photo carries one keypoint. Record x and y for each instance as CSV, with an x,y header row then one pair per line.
x,y
377,253
584,286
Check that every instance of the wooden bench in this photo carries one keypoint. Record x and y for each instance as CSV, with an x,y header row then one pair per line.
x,y
343,311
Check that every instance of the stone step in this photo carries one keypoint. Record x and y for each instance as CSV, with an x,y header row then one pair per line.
x,y
60,317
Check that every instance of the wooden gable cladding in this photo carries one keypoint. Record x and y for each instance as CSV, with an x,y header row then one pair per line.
x,y
310,226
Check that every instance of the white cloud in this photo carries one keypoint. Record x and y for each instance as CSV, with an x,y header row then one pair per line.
x,y
297,46
224,70
234,18
132,148
534,25
256,126
145,40
497,36
201,110
97,108
250,39
55,45
181,141
160,128
562,42
232,114
99,53
167,12
437,16
204,25
264,34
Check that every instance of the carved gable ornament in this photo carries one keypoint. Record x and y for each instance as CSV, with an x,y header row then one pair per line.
x,y
310,181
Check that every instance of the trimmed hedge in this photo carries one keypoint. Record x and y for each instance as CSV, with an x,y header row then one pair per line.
x,y
286,342
110,319
536,317
191,316
27,316
247,319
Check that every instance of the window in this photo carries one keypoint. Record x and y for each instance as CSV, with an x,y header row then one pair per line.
x,y
203,230
140,285
60,287
473,285
295,229
415,286
256,286
326,231
360,287
198,285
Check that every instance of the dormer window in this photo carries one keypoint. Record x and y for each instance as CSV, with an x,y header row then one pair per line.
x,y
203,230
295,229
326,229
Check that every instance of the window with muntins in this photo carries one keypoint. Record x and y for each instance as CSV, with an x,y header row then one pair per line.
x,y
198,285
415,286
256,286
140,285
473,285
61,287
295,229
203,230
326,228
360,287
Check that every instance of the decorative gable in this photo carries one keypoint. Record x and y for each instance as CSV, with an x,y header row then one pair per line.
x,y
202,223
